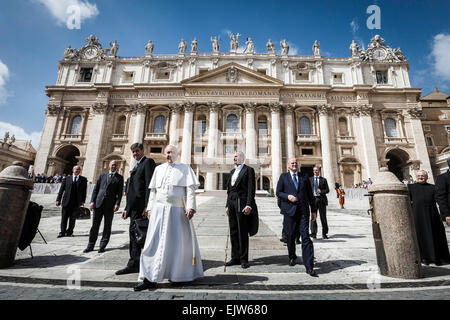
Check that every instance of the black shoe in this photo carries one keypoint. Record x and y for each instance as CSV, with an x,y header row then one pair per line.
x,y
325,236
101,250
232,262
438,263
292,262
60,235
244,265
126,270
283,240
69,234
145,285
88,249
297,241
313,236
311,272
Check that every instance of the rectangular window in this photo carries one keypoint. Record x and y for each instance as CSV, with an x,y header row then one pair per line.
x,y
338,78
262,128
382,77
202,70
429,141
163,75
128,76
426,128
200,149
444,116
307,152
262,71
263,150
303,76
155,150
230,149
447,128
85,75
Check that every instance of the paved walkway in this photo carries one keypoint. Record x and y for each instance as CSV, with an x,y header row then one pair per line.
x,y
346,263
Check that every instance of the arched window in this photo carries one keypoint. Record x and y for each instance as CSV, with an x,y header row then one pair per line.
x,y
305,125
262,125
343,129
391,128
159,125
75,128
232,123
201,124
120,127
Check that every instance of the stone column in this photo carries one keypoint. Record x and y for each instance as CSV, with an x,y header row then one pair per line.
x,y
186,143
175,110
276,144
419,141
138,134
289,126
250,133
213,134
368,145
325,142
94,145
47,135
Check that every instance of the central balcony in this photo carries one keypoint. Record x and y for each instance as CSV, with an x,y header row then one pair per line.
x,y
231,136
156,137
307,138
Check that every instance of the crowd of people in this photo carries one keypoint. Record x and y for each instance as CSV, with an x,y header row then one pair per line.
x,y
161,201
43,178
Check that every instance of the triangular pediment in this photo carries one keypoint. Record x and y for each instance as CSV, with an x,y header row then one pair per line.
x,y
232,74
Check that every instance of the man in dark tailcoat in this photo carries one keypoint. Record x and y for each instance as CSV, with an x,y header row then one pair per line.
x,y
443,194
320,189
241,210
295,192
105,200
73,194
137,199
429,229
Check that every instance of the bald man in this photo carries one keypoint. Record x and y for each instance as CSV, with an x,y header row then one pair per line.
x,y
241,210
105,200
73,194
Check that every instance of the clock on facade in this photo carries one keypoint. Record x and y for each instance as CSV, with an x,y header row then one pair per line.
x,y
90,53
379,54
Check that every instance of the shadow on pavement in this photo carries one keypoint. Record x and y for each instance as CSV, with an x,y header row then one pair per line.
x,y
211,264
229,279
48,261
348,236
280,260
333,265
431,272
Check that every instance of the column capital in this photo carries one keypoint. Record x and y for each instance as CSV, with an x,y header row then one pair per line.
x,y
250,107
275,107
414,113
362,110
138,108
53,109
100,108
176,107
189,106
289,108
213,106
324,109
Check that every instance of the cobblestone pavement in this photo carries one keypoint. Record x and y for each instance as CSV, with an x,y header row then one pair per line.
x,y
346,262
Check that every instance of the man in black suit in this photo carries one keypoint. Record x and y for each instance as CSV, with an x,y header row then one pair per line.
x,y
320,189
241,209
296,196
74,190
443,194
137,199
105,200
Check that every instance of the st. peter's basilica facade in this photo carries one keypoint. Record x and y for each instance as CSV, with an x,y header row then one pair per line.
x,y
349,115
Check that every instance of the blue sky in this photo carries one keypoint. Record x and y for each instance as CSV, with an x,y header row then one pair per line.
x,y
34,34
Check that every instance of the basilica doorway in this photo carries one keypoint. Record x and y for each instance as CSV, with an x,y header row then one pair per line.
x,y
398,163
67,157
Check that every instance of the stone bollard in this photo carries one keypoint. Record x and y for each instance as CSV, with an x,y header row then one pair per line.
x,y
394,215
15,193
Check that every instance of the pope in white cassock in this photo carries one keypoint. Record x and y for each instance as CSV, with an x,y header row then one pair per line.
x,y
171,249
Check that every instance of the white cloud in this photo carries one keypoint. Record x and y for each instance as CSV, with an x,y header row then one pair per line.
x,y
354,25
293,49
441,56
20,133
4,76
58,9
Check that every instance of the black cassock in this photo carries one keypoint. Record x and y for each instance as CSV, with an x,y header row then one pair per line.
x,y
429,228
